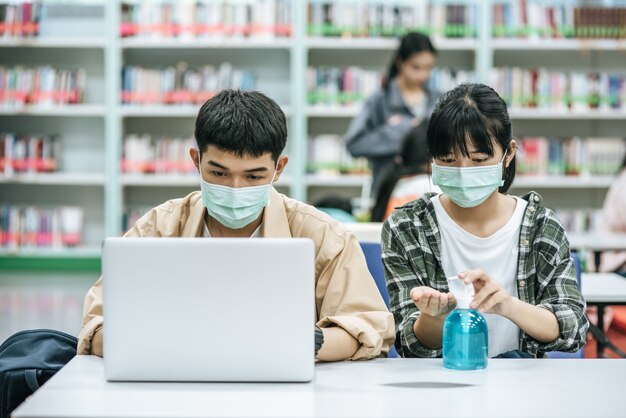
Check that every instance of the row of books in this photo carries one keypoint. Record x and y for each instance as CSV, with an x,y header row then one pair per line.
x,y
144,154
36,227
44,86
559,90
35,307
19,20
345,86
327,155
181,84
557,19
28,153
380,18
212,19
570,156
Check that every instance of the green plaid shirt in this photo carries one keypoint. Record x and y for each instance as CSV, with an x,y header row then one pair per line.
x,y
546,276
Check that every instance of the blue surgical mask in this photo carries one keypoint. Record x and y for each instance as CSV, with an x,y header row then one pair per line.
x,y
235,207
468,186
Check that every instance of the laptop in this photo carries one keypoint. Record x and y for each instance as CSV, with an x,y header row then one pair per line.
x,y
209,309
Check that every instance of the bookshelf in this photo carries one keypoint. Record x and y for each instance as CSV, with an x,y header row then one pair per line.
x,y
92,132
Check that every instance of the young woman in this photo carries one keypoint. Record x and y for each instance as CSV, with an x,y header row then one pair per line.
x,y
405,99
407,178
614,221
513,250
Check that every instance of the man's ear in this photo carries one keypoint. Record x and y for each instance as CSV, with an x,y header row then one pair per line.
x,y
280,166
195,157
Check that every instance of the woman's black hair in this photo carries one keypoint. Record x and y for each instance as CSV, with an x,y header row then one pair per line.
x,y
411,43
413,159
473,112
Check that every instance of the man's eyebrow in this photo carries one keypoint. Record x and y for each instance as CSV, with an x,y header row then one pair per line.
x,y
251,170
211,162
256,170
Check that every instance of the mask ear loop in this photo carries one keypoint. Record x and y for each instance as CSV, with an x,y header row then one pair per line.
x,y
503,168
275,171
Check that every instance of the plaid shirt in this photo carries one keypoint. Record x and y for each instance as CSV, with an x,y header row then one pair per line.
x,y
546,276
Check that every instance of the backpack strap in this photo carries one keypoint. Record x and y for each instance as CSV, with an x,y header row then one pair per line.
x,y
31,379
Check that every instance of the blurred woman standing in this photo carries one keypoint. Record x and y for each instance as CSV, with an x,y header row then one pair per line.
x,y
404,100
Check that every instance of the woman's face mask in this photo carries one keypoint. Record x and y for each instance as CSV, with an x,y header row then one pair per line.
x,y
468,187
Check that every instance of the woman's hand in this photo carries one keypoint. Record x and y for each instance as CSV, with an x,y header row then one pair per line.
x,y
489,296
431,302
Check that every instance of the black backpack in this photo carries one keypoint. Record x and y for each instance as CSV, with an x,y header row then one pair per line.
x,y
27,360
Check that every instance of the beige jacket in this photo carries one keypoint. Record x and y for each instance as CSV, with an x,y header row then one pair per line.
x,y
345,292
613,220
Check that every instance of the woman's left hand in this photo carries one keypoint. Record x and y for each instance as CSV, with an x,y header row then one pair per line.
x,y
489,295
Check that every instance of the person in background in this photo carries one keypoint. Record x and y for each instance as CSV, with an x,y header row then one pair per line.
x,y
407,178
337,207
513,250
613,221
403,102
240,140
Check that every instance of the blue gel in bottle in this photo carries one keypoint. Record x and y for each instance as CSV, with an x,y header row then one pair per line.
x,y
465,333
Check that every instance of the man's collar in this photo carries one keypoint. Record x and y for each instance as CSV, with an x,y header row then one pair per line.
x,y
275,222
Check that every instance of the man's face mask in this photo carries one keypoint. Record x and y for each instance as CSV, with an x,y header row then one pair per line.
x,y
468,186
235,207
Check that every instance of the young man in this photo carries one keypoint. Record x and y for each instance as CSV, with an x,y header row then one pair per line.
x,y
240,137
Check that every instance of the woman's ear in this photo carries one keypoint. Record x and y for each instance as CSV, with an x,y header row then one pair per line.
x,y
511,152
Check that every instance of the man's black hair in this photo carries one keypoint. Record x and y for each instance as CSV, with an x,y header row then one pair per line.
x,y
243,123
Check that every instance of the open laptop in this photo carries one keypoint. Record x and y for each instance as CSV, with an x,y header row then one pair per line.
x,y
208,309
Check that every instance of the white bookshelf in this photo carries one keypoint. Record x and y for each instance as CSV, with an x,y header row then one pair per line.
x,y
77,110
582,45
93,132
159,180
562,182
51,42
333,111
352,180
566,115
80,129
52,179
165,111
59,253
169,43
384,44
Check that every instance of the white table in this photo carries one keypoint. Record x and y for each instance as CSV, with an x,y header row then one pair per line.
x,y
597,243
366,231
376,388
601,290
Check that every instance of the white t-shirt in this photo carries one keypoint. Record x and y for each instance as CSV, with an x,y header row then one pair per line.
x,y
496,255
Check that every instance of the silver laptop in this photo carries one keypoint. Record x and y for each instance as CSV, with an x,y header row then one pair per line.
x,y
209,309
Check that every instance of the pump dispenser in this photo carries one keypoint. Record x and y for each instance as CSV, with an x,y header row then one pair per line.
x,y
465,334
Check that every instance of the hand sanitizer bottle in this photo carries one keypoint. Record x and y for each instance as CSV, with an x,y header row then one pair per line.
x,y
465,331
